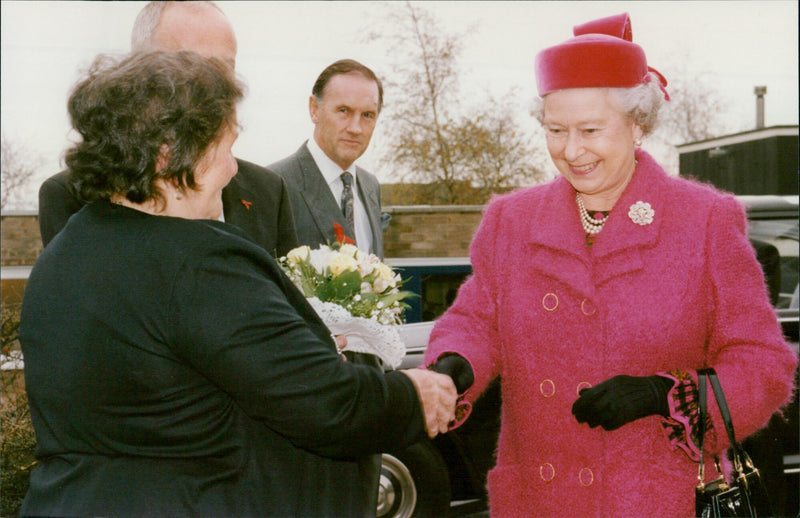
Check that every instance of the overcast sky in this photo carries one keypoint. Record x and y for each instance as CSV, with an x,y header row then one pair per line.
x,y
284,45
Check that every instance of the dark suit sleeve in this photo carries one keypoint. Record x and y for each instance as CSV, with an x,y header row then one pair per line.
x,y
256,200
56,205
287,232
258,340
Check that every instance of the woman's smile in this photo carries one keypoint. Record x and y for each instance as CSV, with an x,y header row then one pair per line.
x,y
584,169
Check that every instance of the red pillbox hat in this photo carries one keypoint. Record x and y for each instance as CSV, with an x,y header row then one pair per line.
x,y
602,54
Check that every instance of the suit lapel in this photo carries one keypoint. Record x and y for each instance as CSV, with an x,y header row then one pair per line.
x,y
372,204
322,206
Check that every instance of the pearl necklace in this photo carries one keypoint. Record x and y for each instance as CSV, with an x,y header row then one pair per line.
x,y
590,225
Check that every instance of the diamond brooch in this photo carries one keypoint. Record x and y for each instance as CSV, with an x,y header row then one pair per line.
x,y
641,213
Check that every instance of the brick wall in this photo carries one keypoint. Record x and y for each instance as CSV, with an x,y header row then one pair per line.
x,y
20,242
431,230
414,231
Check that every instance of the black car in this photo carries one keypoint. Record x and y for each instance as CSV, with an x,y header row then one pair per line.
x,y
446,476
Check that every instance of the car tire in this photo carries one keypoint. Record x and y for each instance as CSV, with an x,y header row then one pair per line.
x,y
414,483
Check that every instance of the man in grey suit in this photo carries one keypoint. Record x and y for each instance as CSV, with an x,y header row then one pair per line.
x,y
326,188
344,106
255,200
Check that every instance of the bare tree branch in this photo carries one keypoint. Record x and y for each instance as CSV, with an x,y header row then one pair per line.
x,y
429,138
17,167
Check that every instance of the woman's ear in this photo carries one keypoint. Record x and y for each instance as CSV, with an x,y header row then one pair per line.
x,y
638,133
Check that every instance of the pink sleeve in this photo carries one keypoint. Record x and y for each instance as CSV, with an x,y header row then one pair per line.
x,y
746,347
469,326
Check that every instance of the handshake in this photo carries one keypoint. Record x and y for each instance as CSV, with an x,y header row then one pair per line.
x,y
438,396
438,390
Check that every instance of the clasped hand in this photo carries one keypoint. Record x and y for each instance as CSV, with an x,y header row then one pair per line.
x,y
622,399
437,395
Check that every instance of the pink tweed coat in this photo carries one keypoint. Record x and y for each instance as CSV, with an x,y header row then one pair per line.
x,y
551,316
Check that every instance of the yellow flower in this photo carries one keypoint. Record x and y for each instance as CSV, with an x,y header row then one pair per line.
x,y
384,272
340,263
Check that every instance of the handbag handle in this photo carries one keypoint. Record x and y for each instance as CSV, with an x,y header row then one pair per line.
x,y
740,457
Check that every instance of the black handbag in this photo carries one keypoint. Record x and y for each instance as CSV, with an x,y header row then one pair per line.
x,y
745,495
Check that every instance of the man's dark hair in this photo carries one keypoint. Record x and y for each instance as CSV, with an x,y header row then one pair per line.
x,y
346,66
125,111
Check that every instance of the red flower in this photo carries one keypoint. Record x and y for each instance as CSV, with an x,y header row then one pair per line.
x,y
247,204
340,235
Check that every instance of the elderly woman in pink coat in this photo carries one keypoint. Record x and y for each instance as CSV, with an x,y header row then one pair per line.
x,y
598,296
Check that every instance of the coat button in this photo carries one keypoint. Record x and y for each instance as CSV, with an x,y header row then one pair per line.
x,y
547,472
547,388
550,302
582,385
586,477
587,307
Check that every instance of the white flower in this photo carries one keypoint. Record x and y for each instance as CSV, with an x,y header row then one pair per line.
x,y
379,285
641,213
298,254
319,258
349,249
366,287
365,268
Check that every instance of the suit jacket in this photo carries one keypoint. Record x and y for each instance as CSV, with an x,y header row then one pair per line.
x,y
255,200
174,370
550,316
315,211
314,207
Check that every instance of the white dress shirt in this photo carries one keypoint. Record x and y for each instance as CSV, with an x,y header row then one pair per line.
x,y
333,176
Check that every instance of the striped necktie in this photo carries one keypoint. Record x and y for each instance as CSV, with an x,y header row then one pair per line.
x,y
347,199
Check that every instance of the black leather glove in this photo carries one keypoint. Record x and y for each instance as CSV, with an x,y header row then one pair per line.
x,y
458,368
622,399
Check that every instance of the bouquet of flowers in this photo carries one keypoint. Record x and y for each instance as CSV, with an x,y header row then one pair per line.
x,y
355,294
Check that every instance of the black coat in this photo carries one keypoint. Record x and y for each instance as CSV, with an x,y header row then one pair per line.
x,y
173,370
255,200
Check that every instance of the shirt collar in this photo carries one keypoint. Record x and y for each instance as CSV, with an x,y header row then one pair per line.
x,y
330,171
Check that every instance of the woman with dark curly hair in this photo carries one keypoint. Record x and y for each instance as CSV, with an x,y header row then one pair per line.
x,y
171,368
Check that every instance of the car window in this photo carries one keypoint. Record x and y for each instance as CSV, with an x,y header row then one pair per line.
x,y
782,233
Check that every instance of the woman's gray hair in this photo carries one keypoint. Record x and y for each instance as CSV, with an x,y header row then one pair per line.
x,y
640,103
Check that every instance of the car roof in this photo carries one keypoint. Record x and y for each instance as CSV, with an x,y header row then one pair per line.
x,y
770,206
